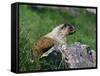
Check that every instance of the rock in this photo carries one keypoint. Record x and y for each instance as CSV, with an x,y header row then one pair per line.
x,y
64,56
91,10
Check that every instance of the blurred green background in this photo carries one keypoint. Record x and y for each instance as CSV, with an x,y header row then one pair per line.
x,y
35,22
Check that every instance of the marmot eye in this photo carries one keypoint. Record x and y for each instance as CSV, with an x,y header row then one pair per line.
x,y
70,27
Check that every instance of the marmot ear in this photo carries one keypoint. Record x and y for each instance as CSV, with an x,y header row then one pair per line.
x,y
64,25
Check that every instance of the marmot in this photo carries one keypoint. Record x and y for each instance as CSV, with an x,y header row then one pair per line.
x,y
57,35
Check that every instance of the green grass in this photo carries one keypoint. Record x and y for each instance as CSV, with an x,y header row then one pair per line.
x,y
35,23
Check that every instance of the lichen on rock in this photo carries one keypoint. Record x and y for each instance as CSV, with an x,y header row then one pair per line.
x,y
65,56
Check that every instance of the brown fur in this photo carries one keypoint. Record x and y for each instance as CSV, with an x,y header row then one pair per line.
x,y
43,44
57,35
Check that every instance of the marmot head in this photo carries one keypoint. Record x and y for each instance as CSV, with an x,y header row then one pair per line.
x,y
64,29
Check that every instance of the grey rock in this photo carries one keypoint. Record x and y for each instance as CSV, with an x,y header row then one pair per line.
x,y
76,55
91,10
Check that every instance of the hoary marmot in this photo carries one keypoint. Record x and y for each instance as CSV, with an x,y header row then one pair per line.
x,y
57,35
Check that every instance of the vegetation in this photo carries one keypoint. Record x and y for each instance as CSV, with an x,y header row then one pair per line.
x,y
34,23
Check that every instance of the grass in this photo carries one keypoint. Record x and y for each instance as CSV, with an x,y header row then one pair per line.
x,y
34,23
